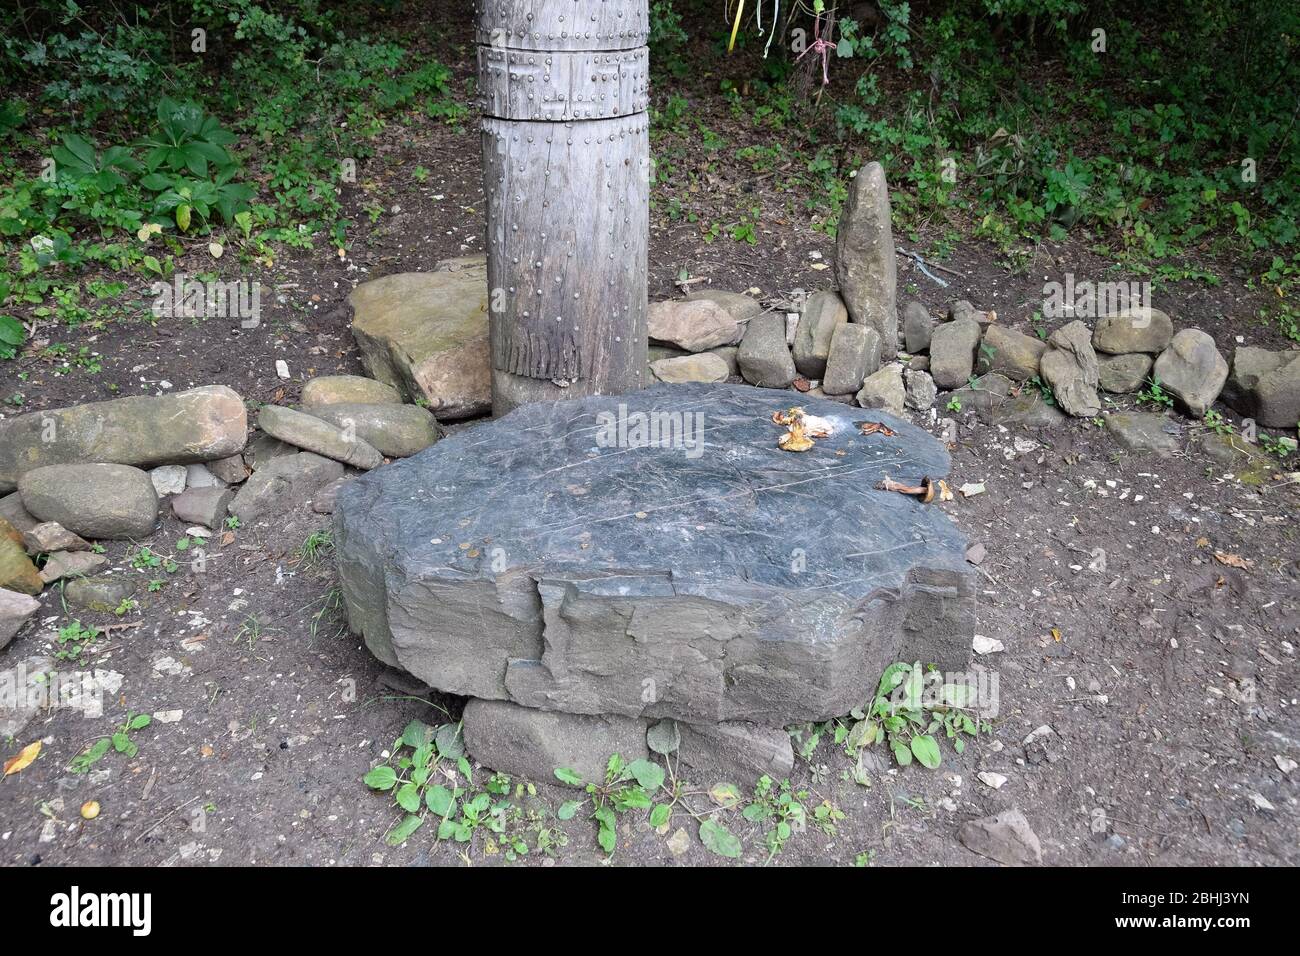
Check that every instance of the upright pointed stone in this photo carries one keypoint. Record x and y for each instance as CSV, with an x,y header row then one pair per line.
x,y
864,257
1070,367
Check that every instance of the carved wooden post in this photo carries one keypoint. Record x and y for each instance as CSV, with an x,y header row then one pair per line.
x,y
566,147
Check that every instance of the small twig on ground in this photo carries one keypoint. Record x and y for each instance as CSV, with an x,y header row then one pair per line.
x,y
927,262
685,284
146,832
148,787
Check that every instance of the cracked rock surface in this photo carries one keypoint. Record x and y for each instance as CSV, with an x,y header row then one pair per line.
x,y
556,559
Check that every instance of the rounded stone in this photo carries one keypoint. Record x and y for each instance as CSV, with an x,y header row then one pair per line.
x,y
94,501
918,327
1278,394
693,324
143,430
1192,370
1014,354
1138,330
338,389
426,335
823,314
17,572
15,610
952,352
884,389
397,431
920,390
764,358
1145,432
317,435
1069,366
1120,374
103,592
854,354
704,367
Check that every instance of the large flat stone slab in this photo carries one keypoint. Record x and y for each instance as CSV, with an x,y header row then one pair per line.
x,y
549,559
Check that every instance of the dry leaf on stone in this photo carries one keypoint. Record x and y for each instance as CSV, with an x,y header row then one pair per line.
x,y
875,428
1233,560
23,760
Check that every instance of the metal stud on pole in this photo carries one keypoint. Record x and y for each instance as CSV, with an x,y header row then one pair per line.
x,y
564,87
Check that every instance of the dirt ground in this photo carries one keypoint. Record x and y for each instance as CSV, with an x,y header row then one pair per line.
x,y
1168,678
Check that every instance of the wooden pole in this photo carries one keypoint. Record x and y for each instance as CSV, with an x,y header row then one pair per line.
x,y
566,152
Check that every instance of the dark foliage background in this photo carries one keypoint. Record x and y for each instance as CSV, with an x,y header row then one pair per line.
x,y
1170,133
